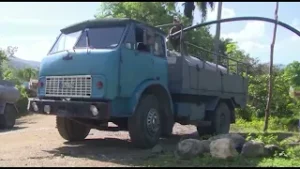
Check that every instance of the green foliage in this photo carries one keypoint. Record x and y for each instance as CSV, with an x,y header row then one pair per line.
x,y
275,124
153,13
292,73
294,152
265,138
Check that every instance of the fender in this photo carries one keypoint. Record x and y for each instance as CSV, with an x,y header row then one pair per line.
x,y
134,100
213,103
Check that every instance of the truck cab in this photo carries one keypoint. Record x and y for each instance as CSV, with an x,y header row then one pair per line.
x,y
120,71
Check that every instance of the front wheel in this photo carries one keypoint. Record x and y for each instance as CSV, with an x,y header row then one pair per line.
x,y
71,130
145,124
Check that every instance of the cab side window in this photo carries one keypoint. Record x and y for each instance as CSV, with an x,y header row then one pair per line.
x,y
130,38
139,35
159,46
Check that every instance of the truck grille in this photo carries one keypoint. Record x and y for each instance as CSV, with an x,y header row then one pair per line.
x,y
69,86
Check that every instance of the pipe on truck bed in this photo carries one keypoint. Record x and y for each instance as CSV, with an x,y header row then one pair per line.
x,y
246,18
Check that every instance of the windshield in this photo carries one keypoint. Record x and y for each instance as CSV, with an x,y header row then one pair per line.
x,y
99,38
65,42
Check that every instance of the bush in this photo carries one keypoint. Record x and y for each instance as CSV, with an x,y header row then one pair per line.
x,y
247,113
275,124
21,104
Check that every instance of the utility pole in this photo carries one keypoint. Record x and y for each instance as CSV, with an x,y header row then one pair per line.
x,y
267,110
217,36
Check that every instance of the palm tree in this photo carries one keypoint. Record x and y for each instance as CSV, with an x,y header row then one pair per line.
x,y
189,7
218,33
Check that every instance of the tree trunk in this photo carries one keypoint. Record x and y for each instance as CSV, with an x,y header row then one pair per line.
x,y
217,36
267,110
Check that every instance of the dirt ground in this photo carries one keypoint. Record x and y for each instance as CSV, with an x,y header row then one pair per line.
x,y
34,141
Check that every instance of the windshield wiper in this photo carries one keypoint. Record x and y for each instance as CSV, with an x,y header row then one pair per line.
x,y
87,41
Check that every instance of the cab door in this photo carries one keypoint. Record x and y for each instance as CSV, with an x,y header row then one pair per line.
x,y
160,59
136,61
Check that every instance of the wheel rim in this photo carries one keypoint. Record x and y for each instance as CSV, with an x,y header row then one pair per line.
x,y
153,121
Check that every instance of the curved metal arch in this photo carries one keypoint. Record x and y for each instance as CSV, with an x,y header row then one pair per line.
x,y
241,19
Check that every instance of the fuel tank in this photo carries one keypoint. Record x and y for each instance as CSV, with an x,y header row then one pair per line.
x,y
8,92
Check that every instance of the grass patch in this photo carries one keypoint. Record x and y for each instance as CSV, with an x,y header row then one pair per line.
x,y
169,160
256,125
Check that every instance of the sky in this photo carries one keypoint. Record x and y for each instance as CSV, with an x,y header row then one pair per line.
x,y
34,26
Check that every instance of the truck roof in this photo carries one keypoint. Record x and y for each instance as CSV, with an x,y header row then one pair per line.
x,y
94,23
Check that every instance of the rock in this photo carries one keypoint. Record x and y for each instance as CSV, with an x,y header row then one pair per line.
x,y
253,149
206,144
271,149
223,148
157,149
189,148
237,139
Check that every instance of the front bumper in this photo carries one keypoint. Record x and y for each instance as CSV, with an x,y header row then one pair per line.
x,y
74,109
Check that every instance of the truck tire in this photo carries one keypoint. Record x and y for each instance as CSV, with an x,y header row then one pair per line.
x,y
220,119
8,118
71,130
144,125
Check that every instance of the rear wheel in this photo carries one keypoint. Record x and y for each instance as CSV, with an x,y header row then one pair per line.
x,y
71,130
145,124
220,121
8,118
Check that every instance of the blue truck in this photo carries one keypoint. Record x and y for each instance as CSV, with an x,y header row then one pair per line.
x,y
108,70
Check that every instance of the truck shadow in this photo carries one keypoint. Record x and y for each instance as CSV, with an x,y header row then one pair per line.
x,y
19,125
114,150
